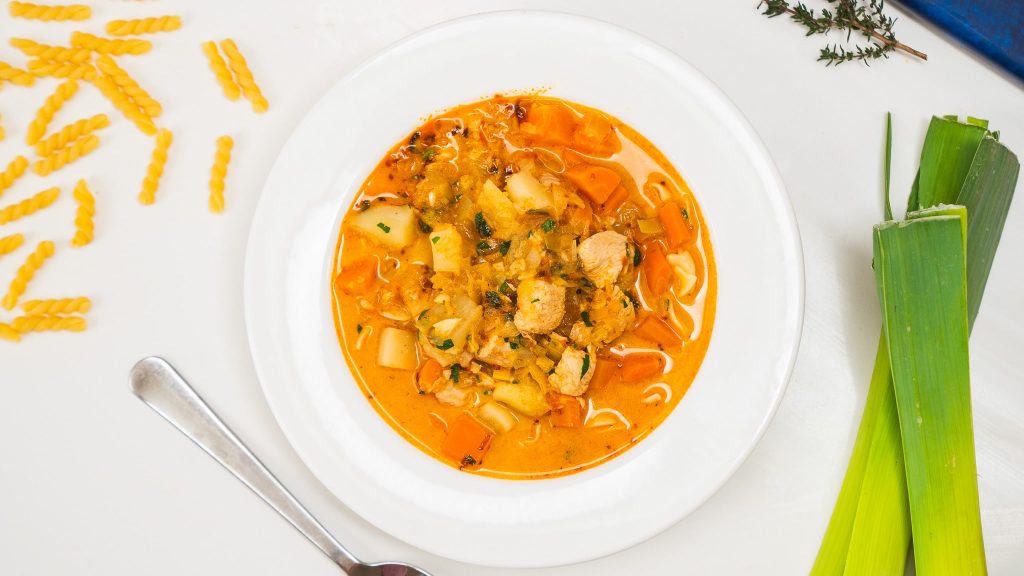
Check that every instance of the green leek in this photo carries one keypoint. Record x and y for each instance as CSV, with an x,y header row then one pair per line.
x,y
921,274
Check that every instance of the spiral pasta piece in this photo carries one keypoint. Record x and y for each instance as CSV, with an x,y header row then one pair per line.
x,y
84,227
156,167
47,52
13,171
221,72
70,133
116,47
125,104
57,69
29,206
66,155
50,12
78,305
11,243
7,332
53,103
218,172
128,86
46,323
143,26
243,76
14,75
25,273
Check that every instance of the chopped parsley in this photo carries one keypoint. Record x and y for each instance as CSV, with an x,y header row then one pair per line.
x,y
481,225
493,298
424,227
363,205
435,239
468,460
423,314
504,287
359,328
384,227
504,246
485,247
513,345
637,256
686,215
421,392
586,365
456,199
535,300
428,154
446,345
548,225
624,305
456,370
585,316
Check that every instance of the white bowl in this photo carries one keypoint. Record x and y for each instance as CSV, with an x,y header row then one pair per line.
x,y
484,520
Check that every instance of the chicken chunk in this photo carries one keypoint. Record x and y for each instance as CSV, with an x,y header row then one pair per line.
x,y
497,351
452,396
603,256
541,306
573,373
609,314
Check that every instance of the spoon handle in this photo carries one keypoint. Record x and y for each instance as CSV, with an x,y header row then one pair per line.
x,y
160,386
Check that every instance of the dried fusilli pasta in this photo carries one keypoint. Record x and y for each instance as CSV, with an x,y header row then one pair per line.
x,y
11,243
156,167
66,155
47,52
7,332
50,12
53,103
244,76
13,171
218,172
58,69
29,206
110,46
79,305
84,214
14,75
128,86
25,274
125,104
43,323
221,72
143,26
71,132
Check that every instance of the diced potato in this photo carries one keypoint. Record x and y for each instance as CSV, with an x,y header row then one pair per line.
x,y
499,211
528,193
685,271
392,226
446,248
419,252
525,398
498,417
397,349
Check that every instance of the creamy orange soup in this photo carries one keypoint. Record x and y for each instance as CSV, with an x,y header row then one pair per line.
x,y
524,287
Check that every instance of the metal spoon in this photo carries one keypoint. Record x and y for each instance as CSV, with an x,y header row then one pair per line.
x,y
158,384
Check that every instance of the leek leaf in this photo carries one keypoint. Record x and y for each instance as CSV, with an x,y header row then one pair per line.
x,y
921,276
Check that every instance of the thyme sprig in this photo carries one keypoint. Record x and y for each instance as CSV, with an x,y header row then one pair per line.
x,y
862,17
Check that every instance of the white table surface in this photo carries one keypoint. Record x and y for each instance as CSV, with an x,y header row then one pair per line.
x,y
93,482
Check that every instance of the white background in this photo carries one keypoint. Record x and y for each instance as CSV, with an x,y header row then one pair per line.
x,y
93,482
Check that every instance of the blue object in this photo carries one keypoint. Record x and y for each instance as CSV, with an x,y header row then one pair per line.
x,y
995,28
